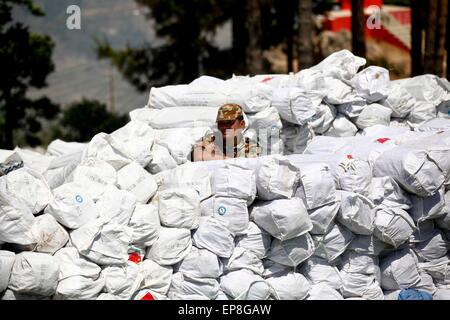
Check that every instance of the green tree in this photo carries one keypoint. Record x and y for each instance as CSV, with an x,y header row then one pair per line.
x,y
25,61
82,120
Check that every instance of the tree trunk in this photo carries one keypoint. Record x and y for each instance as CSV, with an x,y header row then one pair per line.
x,y
254,55
290,35
9,121
440,37
447,39
430,41
306,33
358,28
240,37
417,10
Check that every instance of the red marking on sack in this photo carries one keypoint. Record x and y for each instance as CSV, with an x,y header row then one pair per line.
x,y
266,79
134,257
383,140
349,156
148,296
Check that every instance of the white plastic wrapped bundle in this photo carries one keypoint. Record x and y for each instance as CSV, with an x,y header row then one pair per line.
x,y
317,187
49,235
133,178
323,217
187,287
399,270
319,271
116,206
16,220
137,138
430,243
255,240
243,259
231,211
200,263
172,245
372,115
214,235
122,281
28,187
428,208
322,291
415,170
421,113
145,224
341,127
155,277
386,193
293,105
105,147
72,206
161,159
290,286
179,208
79,279
276,178
187,175
245,285
34,273
102,243
331,245
234,182
354,262
94,175
284,219
393,226
358,285
292,252
399,100
322,121
372,83
7,259
357,213
340,65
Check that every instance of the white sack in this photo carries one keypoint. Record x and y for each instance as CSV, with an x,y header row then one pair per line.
x,y
340,65
72,206
319,271
214,235
94,175
386,193
428,208
172,245
155,277
135,179
393,226
370,245
357,213
296,138
357,285
372,83
276,178
122,281
59,147
34,273
341,127
179,208
161,160
49,235
186,287
200,263
292,252
322,291
430,244
352,109
425,87
331,245
435,125
421,113
284,219
255,240
323,217
399,100
290,286
79,279
7,259
293,105
372,115
145,224
243,259
322,121
103,243
246,285
234,182
355,262
116,206
399,270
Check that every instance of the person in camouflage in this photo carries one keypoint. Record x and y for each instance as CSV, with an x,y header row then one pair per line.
x,y
228,141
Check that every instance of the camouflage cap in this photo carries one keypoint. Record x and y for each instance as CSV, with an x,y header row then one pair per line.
x,y
229,112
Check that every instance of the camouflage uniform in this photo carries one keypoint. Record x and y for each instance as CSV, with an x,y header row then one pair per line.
x,y
246,148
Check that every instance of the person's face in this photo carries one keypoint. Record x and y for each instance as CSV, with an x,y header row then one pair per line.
x,y
230,128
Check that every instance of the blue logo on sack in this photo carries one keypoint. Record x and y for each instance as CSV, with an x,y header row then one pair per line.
x,y
222,210
79,198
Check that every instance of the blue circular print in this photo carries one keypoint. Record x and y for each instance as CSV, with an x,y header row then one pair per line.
x,y
78,198
221,210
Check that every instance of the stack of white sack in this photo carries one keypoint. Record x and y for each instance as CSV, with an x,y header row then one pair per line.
x,y
363,213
